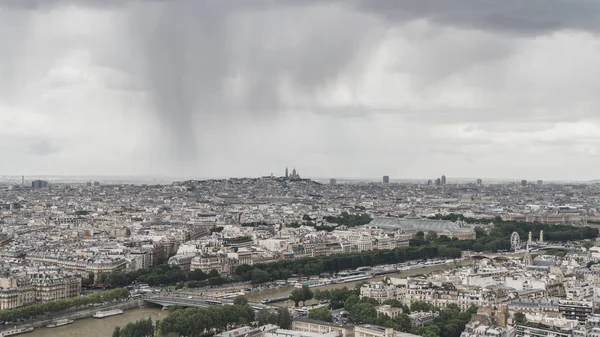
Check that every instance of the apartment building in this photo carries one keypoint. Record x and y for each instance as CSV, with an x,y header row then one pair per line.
x,y
422,318
17,297
21,291
247,331
370,330
448,293
579,291
242,256
321,327
206,263
546,307
478,329
292,333
389,311
576,310
379,291
82,266
182,261
543,330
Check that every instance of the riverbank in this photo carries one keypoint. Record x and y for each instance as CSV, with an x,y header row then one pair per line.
x,y
76,315
93,327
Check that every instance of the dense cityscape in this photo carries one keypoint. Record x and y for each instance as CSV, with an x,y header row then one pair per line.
x,y
357,259
335,168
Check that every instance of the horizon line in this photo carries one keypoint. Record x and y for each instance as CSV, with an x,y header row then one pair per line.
x,y
188,177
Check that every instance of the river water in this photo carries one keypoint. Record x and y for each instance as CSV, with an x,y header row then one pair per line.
x,y
94,327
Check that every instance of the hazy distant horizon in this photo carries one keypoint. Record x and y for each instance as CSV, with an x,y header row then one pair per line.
x,y
166,179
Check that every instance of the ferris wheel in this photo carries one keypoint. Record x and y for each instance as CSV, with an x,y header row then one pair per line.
x,y
515,241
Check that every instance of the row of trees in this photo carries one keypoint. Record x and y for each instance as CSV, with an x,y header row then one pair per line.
x,y
141,328
156,275
335,263
321,314
301,295
280,317
35,310
195,322
162,274
337,297
349,220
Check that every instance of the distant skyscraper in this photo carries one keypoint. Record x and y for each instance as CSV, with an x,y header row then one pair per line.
x,y
287,174
479,182
22,180
386,179
540,182
438,182
523,182
443,180
332,181
39,184
429,182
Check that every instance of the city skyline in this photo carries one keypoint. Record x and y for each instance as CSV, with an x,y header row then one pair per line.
x,y
233,89
164,179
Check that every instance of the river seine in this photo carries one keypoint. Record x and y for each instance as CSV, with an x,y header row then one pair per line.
x,y
94,327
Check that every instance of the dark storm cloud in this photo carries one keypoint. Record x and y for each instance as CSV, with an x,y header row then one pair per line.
x,y
190,56
513,16
201,64
193,55
531,16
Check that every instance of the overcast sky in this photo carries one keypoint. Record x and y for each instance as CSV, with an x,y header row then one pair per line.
x,y
411,89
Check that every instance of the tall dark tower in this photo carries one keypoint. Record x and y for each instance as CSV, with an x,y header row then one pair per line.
x,y
443,180
386,179
287,173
